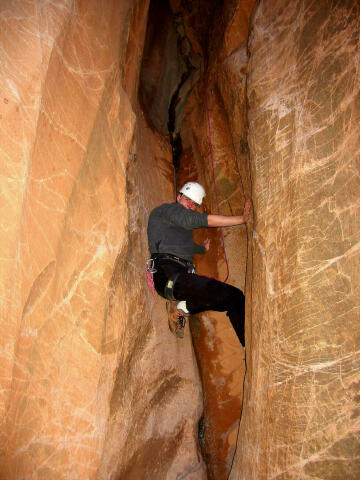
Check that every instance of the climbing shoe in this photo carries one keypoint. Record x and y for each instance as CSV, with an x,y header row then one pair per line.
x,y
176,319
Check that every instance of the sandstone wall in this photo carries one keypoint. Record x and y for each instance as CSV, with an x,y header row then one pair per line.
x,y
301,411
162,65
220,356
92,384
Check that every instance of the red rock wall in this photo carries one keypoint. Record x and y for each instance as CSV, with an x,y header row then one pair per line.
x,y
301,407
93,385
220,356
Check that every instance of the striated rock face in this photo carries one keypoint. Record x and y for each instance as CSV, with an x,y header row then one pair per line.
x,y
300,418
93,385
225,175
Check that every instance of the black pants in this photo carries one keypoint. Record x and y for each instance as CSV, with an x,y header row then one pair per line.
x,y
202,293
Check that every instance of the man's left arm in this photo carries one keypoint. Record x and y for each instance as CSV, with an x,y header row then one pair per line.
x,y
230,220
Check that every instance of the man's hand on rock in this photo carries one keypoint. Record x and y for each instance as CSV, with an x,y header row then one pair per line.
x,y
247,208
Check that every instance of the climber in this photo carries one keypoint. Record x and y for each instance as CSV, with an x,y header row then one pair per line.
x,y
172,248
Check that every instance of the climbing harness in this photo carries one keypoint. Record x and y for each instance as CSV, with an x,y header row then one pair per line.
x,y
181,261
169,286
213,171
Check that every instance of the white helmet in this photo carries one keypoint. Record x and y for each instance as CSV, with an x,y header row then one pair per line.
x,y
194,191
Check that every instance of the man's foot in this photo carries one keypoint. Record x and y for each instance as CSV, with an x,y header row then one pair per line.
x,y
176,319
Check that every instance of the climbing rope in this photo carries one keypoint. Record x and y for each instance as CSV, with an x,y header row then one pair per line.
x,y
213,171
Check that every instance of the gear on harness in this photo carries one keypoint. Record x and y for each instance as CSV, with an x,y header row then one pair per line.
x,y
150,270
169,287
150,266
170,284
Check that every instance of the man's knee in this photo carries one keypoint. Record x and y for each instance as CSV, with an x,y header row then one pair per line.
x,y
237,299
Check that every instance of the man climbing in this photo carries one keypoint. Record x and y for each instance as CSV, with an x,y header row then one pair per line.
x,y
172,248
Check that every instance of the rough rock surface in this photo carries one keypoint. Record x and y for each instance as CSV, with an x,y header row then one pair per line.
x,y
162,65
92,384
301,410
220,356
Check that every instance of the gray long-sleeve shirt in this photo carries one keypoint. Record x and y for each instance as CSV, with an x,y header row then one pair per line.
x,y
170,229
